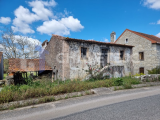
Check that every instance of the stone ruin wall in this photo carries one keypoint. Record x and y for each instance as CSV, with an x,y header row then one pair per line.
x,y
78,65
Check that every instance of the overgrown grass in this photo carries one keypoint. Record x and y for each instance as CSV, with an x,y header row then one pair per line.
x,y
4,75
47,88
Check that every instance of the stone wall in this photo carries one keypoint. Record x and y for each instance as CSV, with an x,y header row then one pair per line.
x,y
114,58
151,58
65,57
78,64
55,54
149,77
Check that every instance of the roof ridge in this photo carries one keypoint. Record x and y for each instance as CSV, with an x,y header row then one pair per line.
x,y
144,35
155,36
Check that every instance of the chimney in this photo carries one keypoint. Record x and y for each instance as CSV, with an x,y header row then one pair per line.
x,y
113,37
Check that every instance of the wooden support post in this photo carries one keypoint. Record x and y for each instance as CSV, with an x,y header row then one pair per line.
x,y
52,76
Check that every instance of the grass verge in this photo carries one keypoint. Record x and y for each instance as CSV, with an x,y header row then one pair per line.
x,y
38,89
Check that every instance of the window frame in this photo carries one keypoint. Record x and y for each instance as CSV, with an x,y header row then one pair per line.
x,y
120,55
82,56
126,40
141,56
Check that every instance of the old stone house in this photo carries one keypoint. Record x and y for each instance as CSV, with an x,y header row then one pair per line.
x,y
68,56
1,66
146,50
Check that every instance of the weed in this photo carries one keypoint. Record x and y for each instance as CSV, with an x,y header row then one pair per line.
x,y
87,93
118,82
43,88
115,88
11,108
155,70
127,85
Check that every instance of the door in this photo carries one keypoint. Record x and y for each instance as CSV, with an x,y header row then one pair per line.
x,y
104,57
141,70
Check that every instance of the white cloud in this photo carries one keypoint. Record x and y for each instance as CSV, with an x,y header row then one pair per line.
x,y
33,43
29,39
72,23
106,40
158,35
43,13
23,17
63,14
5,20
158,22
53,26
154,4
22,20
60,23
60,27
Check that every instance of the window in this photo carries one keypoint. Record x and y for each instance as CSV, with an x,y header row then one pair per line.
x,y
141,56
83,52
127,40
141,70
121,55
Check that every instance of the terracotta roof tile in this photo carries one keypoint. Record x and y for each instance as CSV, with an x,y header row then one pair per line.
x,y
26,65
151,38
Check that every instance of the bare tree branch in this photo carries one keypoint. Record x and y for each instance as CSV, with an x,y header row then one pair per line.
x,y
17,46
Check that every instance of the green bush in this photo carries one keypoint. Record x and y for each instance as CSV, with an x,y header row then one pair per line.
x,y
139,74
154,70
118,82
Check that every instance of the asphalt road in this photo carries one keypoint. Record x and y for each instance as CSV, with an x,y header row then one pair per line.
x,y
147,108
134,104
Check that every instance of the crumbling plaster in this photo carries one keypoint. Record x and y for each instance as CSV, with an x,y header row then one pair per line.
x,y
78,64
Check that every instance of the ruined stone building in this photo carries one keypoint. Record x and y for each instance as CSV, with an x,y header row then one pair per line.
x,y
146,50
68,56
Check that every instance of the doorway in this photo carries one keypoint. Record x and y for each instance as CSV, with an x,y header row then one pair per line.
x,y
104,57
141,70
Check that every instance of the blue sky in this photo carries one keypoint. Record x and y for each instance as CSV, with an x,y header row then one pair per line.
x,y
83,19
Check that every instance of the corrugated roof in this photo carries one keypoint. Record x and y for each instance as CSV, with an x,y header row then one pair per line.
x,y
151,38
26,65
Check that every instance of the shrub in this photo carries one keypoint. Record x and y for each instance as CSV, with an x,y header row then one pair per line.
x,y
155,70
118,82
127,85
139,74
29,81
47,88
95,72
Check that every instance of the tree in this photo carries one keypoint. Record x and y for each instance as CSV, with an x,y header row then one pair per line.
x,y
17,46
